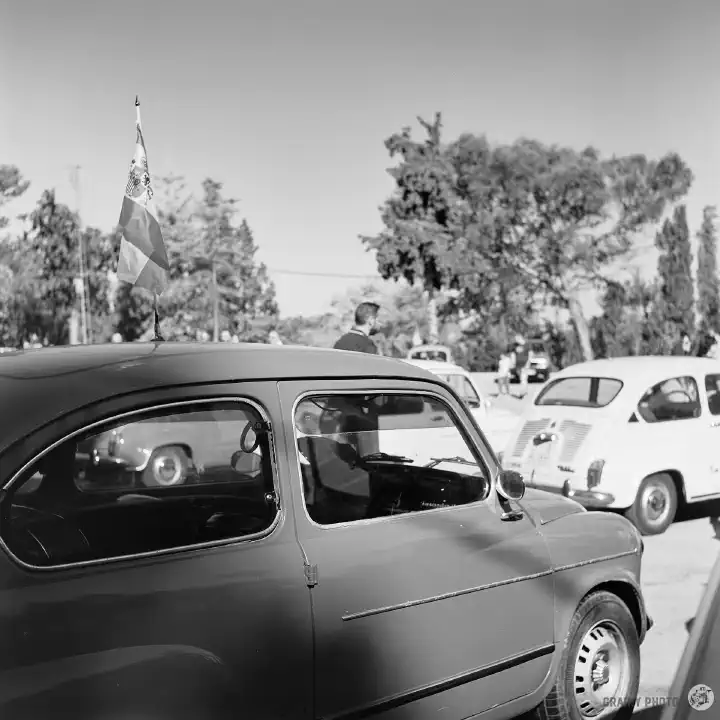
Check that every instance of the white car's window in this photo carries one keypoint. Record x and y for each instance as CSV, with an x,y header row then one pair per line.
x,y
672,399
368,456
463,387
153,482
590,392
712,390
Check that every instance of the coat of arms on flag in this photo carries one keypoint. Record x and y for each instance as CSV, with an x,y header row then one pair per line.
x,y
143,260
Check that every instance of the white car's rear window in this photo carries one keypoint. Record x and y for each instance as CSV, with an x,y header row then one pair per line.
x,y
591,392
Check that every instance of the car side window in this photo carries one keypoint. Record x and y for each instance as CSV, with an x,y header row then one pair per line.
x,y
712,391
673,399
359,460
152,482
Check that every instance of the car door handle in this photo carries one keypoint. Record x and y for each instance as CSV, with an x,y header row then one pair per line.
x,y
437,418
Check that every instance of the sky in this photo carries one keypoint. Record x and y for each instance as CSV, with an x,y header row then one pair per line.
x,y
288,103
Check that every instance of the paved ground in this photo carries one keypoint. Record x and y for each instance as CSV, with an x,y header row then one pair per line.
x,y
676,568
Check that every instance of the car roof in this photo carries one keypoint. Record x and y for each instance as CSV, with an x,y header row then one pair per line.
x,y
50,382
423,348
437,366
645,370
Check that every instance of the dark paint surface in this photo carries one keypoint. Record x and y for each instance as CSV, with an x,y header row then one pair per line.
x,y
401,603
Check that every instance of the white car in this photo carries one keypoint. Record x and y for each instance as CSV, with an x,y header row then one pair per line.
x,y
636,434
496,423
431,353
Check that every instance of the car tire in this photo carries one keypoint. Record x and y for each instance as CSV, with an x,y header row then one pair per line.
x,y
167,467
655,505
602,641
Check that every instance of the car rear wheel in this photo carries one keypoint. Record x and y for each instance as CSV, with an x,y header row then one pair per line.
x,y
599,670
167,467
655,506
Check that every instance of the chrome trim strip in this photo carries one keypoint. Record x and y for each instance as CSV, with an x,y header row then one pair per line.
x,y
394,701
483,462
280,515
488,586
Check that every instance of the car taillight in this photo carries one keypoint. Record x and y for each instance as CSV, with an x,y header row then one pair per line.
x,y
594,473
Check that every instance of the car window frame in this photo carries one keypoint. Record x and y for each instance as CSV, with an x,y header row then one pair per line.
x,y
701,405
6,496
475,452
705,394
557,380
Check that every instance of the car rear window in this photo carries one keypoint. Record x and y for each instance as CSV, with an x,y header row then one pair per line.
x,y
591,392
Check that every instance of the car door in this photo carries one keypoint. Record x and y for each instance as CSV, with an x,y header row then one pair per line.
x,y
676,430
163,602
443,611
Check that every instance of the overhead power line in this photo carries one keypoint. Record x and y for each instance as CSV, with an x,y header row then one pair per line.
x,y
323,274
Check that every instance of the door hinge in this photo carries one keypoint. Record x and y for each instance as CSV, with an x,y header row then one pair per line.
x,y
311,575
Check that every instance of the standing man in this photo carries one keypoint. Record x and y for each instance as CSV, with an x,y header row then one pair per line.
x,y
358,337
522,364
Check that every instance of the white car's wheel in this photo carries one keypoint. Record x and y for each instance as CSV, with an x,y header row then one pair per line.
x,y
655,505
167,467
599,671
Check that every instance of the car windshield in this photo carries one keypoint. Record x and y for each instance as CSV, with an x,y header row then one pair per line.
x,y
591,392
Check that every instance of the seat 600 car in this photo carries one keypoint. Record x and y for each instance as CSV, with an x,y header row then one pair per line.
x,y
346,559
635,434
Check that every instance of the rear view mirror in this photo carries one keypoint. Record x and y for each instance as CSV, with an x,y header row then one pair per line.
x,y
511,485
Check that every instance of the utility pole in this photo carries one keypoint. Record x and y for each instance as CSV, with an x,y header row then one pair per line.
x,y
80,281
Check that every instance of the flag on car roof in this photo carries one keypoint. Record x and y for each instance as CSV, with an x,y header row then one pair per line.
x,y
143,260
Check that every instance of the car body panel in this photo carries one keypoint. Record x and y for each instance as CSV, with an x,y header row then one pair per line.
x,y
699,666
188,617
409,611
431,576
631,448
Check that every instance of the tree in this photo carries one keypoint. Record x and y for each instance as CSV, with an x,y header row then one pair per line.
x,y
416,244
133,313
708,283
674,311
611,337
52,244
12,186
479,218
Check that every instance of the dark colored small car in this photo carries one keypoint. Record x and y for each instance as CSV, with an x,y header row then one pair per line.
x,y
213,531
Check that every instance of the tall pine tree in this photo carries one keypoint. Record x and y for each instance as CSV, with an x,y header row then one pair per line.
x,y
674,310
708,283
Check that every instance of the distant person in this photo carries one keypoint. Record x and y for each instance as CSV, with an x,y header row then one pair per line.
x,y
274,338
366,325
522,364
504,368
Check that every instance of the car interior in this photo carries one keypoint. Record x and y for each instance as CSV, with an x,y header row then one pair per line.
x,y
54,522
346,478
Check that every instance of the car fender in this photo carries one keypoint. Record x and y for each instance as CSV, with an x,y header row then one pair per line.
x,y
118,680
545,507
592,551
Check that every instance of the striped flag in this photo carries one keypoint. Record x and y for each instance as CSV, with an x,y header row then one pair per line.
x,y
143,260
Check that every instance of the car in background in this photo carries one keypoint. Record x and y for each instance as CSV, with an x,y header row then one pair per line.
x,y
437,353
495,422
540,365
696,686
174,600
637,435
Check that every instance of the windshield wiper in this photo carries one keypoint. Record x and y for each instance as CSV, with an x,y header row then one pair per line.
x,y
385,457
457,459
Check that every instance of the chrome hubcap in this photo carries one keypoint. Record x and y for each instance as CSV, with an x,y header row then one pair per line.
x,y
167,470
602,670
656,503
